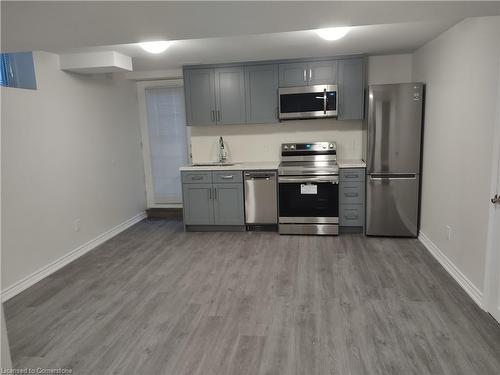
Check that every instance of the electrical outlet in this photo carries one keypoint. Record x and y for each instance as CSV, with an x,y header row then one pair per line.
x,y
76,225
448,232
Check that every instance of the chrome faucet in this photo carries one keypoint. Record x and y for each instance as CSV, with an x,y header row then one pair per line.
x,y
222,151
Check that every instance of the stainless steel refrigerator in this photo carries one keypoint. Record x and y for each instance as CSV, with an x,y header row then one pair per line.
x,y
393,133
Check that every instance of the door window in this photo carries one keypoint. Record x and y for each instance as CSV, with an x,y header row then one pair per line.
x,y
167,139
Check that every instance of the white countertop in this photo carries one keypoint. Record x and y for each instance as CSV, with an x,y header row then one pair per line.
x,y
238,166
351,163
264,165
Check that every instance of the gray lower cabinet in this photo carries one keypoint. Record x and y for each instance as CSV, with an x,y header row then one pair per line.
x,y
199,90
197,203
230,95
220,202
229,204
261,93
351,89
352,197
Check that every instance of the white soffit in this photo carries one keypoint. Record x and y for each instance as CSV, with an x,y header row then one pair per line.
x,y
95,62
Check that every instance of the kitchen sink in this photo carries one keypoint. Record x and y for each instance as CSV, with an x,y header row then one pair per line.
x,y
213,164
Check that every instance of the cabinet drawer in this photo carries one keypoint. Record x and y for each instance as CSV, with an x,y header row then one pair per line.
x,y
352,174
351,215
196,177
352,192
227,176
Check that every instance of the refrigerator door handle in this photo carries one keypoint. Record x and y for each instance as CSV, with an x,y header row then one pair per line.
x,y
386,177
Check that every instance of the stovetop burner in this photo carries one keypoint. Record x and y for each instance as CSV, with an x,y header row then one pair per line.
x,y
308,168
315,158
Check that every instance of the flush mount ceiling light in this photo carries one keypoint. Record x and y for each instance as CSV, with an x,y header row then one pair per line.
x,y
155,47
333,33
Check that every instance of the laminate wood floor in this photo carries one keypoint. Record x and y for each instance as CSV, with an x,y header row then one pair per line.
x,y
156,300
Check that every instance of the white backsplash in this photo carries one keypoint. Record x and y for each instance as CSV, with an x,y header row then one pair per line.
x,y
249,143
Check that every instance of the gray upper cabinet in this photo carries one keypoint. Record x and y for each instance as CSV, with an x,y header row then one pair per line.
x,y
225,95
230,95
197,204
308,73
199,86
322,72
351,89
261,93
229,204
215,96
293,74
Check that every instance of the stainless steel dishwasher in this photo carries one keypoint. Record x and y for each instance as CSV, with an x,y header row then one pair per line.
x,y
261,203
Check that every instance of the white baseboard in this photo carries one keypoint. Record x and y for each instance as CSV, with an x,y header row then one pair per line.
x,y
453,270
43,272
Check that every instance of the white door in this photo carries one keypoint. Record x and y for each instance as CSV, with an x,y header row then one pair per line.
x,y
163,128
492,277
495,274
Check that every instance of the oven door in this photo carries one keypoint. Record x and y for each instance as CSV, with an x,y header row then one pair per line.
x,y
308,199
308,102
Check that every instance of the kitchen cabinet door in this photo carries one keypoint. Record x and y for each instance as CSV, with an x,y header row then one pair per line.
x,y
293,74
229,204
230,95
322,72
351,89
199,87
198,204
261,88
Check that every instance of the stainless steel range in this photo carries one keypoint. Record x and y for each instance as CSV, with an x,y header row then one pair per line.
x,y
309,189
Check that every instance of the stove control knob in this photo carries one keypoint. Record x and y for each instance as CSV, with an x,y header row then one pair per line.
x,y
285,147
331,145
324,146
292,147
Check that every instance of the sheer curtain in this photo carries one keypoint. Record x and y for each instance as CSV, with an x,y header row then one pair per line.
x,y
167,139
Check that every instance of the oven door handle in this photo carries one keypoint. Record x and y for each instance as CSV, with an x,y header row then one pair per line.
x,y
305,180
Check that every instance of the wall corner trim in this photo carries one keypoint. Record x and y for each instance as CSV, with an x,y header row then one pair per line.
x,y
452,269
52,267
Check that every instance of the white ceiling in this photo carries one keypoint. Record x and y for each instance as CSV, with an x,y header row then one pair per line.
x,y
57,25
228,31
373,39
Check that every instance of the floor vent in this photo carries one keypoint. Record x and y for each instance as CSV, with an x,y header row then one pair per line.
x,y
263,228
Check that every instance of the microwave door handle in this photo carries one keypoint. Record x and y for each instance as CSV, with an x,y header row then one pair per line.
x,y
324,101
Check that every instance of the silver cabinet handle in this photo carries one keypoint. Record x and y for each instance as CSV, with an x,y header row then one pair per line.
x,y
197,178
304,180
215,193
310,74
227,177
324,101
351,217
495,199
305,76
212,115
218,115
210,194
351,195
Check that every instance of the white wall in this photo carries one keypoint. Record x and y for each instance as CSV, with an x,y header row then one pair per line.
x,y
390,69
70,149
460,69
262,142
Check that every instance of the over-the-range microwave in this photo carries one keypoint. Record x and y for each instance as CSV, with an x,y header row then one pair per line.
x,y
307,102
